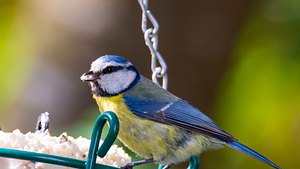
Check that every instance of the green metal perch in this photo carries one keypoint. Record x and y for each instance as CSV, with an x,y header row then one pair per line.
x,y
94,150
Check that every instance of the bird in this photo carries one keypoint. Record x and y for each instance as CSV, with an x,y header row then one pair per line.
x,y
154,123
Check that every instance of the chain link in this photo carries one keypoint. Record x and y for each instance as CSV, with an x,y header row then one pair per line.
x,y
151,40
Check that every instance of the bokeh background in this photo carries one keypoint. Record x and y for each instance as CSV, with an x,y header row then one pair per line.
x,y
237,60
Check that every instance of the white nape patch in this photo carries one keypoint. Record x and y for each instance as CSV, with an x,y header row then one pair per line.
x,y
166,107
116,82
100,64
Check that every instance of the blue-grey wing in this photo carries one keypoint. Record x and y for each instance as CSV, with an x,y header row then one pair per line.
x,y
179,113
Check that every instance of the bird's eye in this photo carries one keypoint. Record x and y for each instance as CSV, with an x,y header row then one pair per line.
x,y
109,69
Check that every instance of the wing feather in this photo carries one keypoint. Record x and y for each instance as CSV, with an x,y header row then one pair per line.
x,y
179,113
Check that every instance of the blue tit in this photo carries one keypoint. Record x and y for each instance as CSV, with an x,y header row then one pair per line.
x,y
154,123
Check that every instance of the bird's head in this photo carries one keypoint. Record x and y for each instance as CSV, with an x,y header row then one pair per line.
x,y
111,75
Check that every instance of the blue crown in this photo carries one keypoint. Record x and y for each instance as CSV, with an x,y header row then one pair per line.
x,y
114,58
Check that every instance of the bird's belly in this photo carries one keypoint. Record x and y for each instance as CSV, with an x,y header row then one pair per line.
x,y
164,143
145,138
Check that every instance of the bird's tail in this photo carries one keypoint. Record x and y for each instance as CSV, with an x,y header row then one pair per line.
x,y
242,148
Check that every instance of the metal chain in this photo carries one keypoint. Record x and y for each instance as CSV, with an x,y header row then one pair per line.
x,y
151,40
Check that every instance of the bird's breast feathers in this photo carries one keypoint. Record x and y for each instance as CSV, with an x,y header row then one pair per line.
x,y
148,138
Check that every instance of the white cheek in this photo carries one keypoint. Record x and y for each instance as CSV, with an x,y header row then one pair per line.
x,y
116,82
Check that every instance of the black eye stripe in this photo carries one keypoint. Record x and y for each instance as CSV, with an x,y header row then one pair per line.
x,y
131,67
111,69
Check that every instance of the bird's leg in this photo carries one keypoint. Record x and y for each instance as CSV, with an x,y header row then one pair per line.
x,y
168,166
136,163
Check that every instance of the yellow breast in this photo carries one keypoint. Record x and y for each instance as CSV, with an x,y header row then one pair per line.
x,y
147,138
140,135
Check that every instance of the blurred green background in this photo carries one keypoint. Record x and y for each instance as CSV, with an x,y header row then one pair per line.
x,y
238,61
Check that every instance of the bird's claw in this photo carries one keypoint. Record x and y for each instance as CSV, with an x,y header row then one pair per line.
x,y
128,166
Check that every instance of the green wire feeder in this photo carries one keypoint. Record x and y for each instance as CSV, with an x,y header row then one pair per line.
x,y
94,151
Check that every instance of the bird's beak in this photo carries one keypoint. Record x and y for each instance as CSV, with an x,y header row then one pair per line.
x,y
89,76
